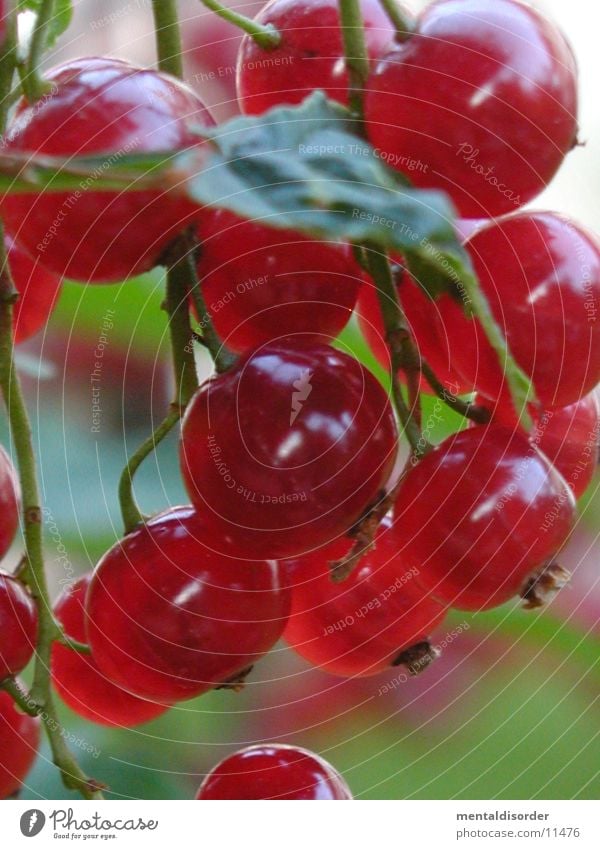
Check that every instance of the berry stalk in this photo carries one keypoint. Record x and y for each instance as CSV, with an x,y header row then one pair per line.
x,y
168,37
182,283
266,37
520,386
39,701
355,49
8,60
465,408
33,84
404,29
403,355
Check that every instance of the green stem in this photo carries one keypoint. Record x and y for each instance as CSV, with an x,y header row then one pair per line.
x,y
178,259
402,350
71,773
168,37
39,701
355,51
33,85
181,283
222,357
74,645
19,696
27,174
265,35
177,305
40,697
464,408
402,24
8,60
129,509
23,442
519,384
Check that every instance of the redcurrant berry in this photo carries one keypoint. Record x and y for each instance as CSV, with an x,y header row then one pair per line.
x,y
109,107
19,741
568,436
480,514
168,618
309,56
18,626
38,292
364,624
484,97
79,681
569,439
284,452
274,772
261,284
10,502
420,311
541,275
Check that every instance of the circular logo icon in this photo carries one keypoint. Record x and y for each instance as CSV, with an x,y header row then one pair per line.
x,y
32,822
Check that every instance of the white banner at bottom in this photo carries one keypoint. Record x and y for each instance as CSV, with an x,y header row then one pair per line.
x,y
285,825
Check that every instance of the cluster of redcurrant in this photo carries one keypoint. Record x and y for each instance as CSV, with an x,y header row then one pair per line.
x,y
290,454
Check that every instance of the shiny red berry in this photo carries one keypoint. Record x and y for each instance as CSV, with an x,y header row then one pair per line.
x,y
19,741
79,681
18,626
10,502
273,771
110,108
480,514
569,437
364,624
483,97
310,55
285,452
38,292
541,275
261,284
168,617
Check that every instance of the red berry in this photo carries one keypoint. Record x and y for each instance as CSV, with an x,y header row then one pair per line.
x,y
541,275
169,618
484,97
274,772
79,681
261,284
362,625
108,107
284,452
18,626
569,439
10,502
19,741
38,292
421,314
310,55
480,514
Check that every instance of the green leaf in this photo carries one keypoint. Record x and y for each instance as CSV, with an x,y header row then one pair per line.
x,y
61,17
303,168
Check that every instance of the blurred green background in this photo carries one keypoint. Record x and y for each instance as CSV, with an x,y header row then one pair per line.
x,y
510,710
